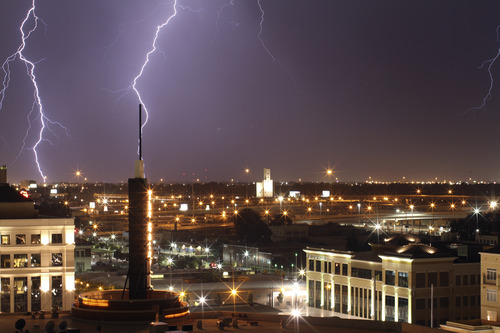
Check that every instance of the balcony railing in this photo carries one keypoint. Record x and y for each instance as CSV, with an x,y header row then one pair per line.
x,y
493,282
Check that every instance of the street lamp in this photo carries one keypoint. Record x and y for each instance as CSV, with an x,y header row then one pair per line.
x,y
412,226
170,262
202,301
246,254
234,292
476,212
247,171
432,209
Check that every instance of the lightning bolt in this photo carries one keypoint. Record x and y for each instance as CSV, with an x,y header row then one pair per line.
x,y
261,29
154,47
219,13
259,35
37,107
489,66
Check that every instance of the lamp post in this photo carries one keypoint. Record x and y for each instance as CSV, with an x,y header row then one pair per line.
x,y
412,226
234,293
245,255
432,209
202,302
247,172
476,212
170,262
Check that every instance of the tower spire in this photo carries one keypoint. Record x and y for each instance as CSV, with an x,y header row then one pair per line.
x,y
139,164
140,132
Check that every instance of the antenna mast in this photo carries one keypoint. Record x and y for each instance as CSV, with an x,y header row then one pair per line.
x,y
140,132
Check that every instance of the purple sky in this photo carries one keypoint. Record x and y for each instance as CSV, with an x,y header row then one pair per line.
x,y
371,88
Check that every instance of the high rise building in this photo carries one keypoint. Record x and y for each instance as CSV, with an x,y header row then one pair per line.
x,y
36,257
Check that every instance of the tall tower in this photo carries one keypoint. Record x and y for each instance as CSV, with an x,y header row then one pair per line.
x,y
139,228
3,174
265,188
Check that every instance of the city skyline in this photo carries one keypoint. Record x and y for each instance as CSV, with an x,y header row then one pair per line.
x,y
381,90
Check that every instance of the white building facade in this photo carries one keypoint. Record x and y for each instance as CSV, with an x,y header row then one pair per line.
x,y
265,188
37,269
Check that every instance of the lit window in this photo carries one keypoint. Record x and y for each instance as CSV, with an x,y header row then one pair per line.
x,y
491,274
403,279
35,239
20,239
20,260
5,260
491,295
56,259
56,238
35,260
5,240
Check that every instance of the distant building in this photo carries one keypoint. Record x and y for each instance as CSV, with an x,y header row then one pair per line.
x,y
289,232
245,257
36,257
15,205
265,188
83,255
401,285
27,184
486,239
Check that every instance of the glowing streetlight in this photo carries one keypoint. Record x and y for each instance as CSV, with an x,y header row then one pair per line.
x,y
412,221
493,204
234,293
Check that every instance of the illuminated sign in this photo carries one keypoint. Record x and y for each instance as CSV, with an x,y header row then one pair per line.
x,y
183,207
325,194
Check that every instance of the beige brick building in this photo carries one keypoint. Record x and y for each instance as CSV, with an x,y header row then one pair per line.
x,y
490,284
394,286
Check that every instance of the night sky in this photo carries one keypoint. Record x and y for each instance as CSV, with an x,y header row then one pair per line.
x,y
369,88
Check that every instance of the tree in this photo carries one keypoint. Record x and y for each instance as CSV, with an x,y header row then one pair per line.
x,y
250,227
280,219
488,223
218,299
250,298
280,297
